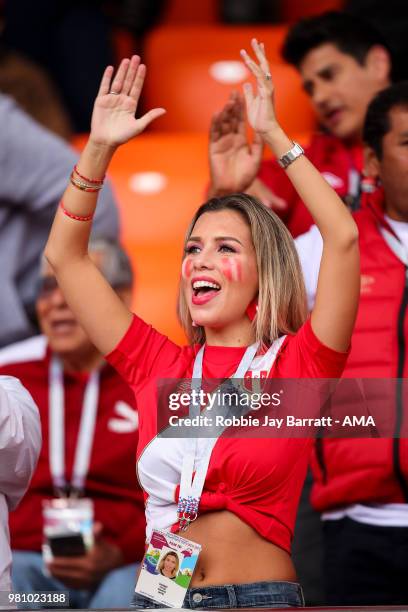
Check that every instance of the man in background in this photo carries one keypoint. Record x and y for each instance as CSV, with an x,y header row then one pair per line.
x,y
343,63
361,486
90,431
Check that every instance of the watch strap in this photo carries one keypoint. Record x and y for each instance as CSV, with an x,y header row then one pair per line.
x,y
289,157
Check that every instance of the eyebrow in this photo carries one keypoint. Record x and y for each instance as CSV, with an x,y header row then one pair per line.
x,y
217,239
320,73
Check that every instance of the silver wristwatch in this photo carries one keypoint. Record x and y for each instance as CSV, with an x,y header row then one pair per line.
x,y
289,157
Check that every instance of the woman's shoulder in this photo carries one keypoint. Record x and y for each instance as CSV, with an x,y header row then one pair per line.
x,y
145,352
303,355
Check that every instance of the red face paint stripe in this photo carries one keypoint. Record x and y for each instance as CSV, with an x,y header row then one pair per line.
x,y
231,268
226,268
186,268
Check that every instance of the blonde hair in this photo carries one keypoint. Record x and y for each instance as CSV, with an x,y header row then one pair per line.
x,y
170,553
282,297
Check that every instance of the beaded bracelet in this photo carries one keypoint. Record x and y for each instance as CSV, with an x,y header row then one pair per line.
x,y
75,217
84,186
88,180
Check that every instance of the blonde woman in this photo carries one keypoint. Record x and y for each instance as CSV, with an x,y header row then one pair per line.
x,y
169,565
242,305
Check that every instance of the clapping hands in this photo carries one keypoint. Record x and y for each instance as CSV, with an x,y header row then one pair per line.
x,y
234,162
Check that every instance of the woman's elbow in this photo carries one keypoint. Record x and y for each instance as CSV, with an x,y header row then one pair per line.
x,y
347,237
51,255
56,255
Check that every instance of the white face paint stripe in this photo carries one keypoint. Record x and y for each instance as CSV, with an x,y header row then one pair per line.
x,y
234,270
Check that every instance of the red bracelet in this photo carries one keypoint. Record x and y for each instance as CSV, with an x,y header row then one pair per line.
x,y
75,217
88,180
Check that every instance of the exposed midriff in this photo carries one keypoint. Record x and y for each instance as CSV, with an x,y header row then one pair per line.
x,y
234,553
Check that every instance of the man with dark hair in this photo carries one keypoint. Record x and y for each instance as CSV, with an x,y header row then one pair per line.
x,y
343,63
381,116
350,35
390,18
361,486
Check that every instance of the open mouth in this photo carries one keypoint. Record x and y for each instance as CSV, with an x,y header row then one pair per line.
x,y
64,326
200,287
204,291
334,115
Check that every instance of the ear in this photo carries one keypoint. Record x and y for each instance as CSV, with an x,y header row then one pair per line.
x,y
378,61
371,163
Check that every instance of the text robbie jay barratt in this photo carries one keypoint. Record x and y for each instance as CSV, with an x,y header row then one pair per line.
x,y
267,421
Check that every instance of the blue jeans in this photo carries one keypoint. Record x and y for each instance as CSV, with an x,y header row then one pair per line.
x,y
114,591
251,595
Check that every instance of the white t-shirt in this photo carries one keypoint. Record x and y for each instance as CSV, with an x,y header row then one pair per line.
x,y
20,444
310,248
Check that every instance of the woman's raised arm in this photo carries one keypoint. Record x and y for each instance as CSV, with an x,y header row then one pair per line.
x,y
93,301
339,279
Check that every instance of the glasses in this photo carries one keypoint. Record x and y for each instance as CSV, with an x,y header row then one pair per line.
x,y
46,286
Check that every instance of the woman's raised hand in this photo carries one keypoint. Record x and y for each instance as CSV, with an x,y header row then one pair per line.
x,y
113,118
260,107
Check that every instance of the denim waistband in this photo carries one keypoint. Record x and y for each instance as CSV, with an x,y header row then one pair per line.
x,y
273,594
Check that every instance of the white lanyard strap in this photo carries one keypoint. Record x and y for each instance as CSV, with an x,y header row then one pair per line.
x,y
57,428
56,424
191,488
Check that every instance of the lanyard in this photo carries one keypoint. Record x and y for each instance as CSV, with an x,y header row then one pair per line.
x,y
57,430
191,485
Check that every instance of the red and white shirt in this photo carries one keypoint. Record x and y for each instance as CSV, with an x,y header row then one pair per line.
x,y
259,480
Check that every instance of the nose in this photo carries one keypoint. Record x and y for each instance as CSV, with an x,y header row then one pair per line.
x,y
203,261
57,298
321,94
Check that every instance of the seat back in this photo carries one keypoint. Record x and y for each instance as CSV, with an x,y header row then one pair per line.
x,y
193,89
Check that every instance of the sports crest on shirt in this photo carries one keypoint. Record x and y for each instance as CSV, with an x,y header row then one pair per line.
x,y
256,377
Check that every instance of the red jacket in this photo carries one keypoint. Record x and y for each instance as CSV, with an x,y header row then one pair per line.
x,y
340,165
111,481
351,471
